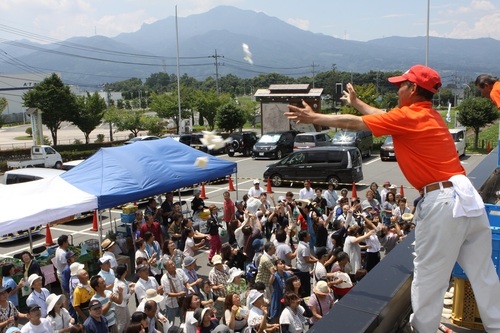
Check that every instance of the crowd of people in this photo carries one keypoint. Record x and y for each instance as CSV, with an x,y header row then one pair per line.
x,y
260,277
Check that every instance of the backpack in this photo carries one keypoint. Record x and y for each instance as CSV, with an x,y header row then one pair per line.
x,y
251,273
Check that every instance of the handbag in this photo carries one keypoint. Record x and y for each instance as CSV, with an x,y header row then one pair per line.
x,y
180,299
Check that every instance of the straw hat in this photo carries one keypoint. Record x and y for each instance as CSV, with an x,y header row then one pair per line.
x,y
52,300
107,243
321,288
407,216
152,295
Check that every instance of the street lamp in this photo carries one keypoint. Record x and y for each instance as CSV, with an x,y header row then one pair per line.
x,y
468,92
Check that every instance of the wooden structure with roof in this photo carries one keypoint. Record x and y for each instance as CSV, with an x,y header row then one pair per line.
x,y
274,102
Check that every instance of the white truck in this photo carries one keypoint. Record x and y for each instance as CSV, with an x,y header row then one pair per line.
x,y
41,156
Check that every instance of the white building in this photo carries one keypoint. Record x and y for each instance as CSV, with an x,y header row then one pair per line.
x,y
13,87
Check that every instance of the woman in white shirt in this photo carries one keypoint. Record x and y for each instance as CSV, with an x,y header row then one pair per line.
x,y
122,312
59,317
352,247
292,318
190,247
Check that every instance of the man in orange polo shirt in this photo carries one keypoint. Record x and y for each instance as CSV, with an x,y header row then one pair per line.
x,y
489,86
452,224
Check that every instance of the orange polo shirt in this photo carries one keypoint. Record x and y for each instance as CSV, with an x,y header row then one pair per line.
x,y
495,94
424,147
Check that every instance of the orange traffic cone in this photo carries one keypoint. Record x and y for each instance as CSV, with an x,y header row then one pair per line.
x,y
354,192
488,147
269,188
402,191
231,186
203,194
48,237
95,227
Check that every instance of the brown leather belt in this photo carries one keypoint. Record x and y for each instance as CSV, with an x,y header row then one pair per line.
x,y
435,186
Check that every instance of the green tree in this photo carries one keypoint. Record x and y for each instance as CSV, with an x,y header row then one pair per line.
x,y
166,106
126,87
207,103
389,100
251,109
230,117
154,125
55,100
3,105
477,112
128,120
367,93
89,113
158,82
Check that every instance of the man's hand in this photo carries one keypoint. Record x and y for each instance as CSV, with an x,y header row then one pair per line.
x,y
303,115
349,95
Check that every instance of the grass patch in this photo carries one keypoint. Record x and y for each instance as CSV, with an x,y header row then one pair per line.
x,y
25,137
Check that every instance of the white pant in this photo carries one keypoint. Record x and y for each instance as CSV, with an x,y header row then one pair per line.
x,y
440,240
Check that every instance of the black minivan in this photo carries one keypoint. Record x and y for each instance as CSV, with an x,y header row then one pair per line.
x,y
323,164
274,145
363,140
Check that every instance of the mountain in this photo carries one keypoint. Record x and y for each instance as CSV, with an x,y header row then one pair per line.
x,y
276,47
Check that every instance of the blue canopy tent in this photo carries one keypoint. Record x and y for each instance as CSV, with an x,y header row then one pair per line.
x,y
128,173
110,177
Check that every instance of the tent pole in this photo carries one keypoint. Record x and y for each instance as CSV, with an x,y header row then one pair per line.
x,y
99,217
31,240
110,223
236,182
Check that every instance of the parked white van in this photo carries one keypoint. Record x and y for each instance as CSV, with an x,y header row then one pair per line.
x,y
29,174
22,176
458,135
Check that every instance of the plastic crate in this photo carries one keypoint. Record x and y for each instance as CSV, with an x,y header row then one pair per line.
x,y
493,212
124,230
458,272
465,312
127,218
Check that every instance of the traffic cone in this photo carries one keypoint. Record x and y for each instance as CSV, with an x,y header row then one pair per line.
x,y
402,191
354,192
488,147
231,186
95,227
269,188
48,237
203,194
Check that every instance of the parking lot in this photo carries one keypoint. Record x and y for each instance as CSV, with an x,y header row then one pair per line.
x,y
248,169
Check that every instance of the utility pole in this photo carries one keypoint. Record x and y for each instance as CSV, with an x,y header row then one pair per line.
x,y
216,57
314,72
110,123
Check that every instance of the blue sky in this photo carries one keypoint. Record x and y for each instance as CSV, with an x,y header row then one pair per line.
x,y
354,20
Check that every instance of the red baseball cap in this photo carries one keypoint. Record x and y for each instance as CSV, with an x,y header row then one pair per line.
x,y
422,76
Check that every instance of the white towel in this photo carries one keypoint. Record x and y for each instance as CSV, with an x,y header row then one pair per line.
x,y
468,203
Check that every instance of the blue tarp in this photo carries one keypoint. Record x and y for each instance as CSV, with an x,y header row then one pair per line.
x,y
132,172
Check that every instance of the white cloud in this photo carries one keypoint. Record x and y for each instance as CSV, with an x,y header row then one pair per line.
x,y
482,5
299,23
485,26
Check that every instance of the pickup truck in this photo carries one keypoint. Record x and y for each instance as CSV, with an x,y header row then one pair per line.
x,y
41,156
